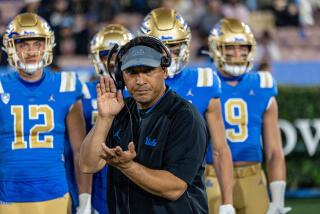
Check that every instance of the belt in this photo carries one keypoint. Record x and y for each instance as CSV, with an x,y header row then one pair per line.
x,y
238,171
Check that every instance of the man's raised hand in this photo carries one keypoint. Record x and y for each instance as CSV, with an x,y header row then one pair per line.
x,y
109,100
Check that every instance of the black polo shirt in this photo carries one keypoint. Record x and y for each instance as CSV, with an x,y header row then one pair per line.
x,y
169,136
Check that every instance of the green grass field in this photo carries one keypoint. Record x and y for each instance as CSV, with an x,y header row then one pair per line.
x,y
304,206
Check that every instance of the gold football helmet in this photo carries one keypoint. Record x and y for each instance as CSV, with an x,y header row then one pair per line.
x,y
230,32
103,42
167,25
28,26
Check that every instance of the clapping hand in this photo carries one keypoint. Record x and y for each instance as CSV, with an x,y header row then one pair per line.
x,y
117,157
109,100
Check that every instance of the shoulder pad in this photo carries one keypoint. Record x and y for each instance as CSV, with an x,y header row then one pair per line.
x,y
68,82
266,80
205,77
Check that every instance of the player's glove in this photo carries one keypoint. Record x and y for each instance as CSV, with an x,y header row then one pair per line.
x,y
226,209
277,189
84,204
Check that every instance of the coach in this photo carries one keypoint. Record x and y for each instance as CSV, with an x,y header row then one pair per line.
x,y
154,141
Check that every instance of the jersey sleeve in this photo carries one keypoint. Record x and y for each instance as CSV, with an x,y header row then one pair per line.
x,y
268,84
268,87
70,83
186,149
208,78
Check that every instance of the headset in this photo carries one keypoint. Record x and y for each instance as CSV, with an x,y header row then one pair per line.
x,y
148,41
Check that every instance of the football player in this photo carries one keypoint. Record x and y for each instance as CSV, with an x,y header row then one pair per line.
x,y
250,114
39,111
100,47
199,86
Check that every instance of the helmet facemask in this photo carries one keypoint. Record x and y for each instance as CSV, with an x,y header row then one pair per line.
x,y
235,66
180,57
99,60
19,58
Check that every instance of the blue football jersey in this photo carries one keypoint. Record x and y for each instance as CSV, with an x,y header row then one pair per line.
x,y
243,107
33,135
99,188
198,86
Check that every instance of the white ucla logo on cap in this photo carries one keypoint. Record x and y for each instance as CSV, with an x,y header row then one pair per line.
x,y
137,52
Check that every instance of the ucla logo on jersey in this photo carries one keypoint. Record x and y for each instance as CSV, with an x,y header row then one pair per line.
x,y
94,104
150,142
5,97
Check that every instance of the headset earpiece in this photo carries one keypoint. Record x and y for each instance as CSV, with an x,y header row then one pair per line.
x,y
113,50
119,81
165,61
117,75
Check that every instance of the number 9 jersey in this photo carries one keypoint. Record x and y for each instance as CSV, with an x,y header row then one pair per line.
x,y
243,108
33,134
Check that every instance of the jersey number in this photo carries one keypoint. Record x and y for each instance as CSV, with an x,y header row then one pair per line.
x,y
236,113
34,112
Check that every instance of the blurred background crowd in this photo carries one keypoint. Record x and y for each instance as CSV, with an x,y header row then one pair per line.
x,y
285,29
